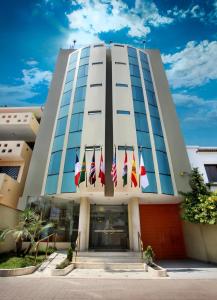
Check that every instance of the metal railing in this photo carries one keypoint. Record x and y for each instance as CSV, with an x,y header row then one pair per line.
x,y
47,239
140,244
77,244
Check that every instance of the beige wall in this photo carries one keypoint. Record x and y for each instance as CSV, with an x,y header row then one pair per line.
x,y
10,189
8,218
201,241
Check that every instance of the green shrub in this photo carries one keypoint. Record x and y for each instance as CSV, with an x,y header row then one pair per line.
x,y
148,255
70,254
63,264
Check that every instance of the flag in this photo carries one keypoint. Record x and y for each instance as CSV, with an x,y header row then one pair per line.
x,y
102,170
77,170
133,172
83,170
92,175
124,175
114,170
143,175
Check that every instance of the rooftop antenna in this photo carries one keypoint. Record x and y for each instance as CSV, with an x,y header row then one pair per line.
x,y
74,42
144,43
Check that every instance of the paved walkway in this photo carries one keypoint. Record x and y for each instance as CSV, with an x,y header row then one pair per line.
x,y
189,269
26,288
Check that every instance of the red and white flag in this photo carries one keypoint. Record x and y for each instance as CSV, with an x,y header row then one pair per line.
x,y
143,174
77,170
102,170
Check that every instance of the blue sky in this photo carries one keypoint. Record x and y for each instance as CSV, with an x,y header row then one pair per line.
x,y
184,31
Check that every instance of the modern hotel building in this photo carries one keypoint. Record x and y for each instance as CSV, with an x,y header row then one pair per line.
x,y
110,97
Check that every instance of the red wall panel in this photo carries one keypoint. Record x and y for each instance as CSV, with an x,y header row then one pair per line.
x,y
162,229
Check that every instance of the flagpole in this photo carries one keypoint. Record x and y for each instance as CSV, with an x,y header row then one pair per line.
x,y
85,165
131,173
140,152
95,164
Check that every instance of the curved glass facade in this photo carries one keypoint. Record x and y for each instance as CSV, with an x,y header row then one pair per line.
x,y
142,130
162,159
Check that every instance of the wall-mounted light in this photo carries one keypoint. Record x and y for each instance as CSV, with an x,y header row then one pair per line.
x,y
184,173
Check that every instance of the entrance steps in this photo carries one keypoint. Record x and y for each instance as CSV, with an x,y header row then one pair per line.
x,y
109,260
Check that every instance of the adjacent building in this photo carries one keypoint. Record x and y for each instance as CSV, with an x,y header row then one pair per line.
x,y
111,99
18,130
205,159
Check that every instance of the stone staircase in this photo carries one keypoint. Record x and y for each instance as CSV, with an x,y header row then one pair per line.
x,y
109,260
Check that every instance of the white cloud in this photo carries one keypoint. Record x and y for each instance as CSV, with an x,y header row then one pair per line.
x,y
192,66
17,94
31,62
195,12
202,112
95,16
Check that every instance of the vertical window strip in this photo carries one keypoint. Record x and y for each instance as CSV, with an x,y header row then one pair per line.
x,y
142,131
76,122
162,160
52,179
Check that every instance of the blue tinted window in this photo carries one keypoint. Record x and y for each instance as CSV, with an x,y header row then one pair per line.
x,y
143,139
132,51
68,183
148,159
58,143
81,81
83,71
136,81
147,75
68,86
143,57
159,143
149,86
51,184
122,84
85,52
153,111
70,75
66,98
63,111
133,60
166,184
76,122
70,159
73,58
80,93
61,126
156,126
163,165
54,165
152,187
123,112
84,61
151,98
139,106
134,70
74,139
78,107
141,122
137,93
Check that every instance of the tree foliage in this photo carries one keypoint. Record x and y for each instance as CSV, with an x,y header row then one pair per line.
x,y
199,205
30,228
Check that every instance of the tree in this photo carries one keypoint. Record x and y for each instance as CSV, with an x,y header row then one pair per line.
x,y
199,205
30,228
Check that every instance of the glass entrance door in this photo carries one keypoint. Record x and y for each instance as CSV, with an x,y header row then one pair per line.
x,y
108,227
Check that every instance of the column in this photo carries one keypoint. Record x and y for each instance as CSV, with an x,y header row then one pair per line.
x,y
134,223
83,226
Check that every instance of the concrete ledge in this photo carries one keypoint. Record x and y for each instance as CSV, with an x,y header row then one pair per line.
x,y
62,272
18,271
155,270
